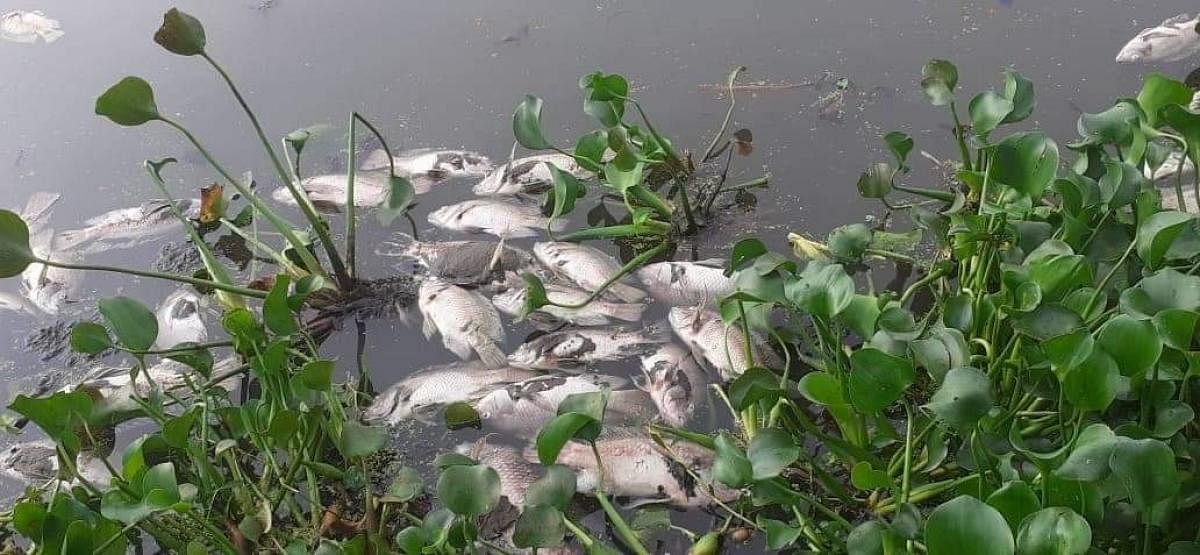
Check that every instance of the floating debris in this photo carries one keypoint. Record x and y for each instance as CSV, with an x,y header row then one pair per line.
x,y
1172,40
27,27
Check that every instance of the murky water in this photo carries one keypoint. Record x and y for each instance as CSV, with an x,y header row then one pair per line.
x,y
447,74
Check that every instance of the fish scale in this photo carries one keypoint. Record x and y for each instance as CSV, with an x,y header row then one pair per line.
x,y
439,385
465,319
686,283
502,218
588,267
718,344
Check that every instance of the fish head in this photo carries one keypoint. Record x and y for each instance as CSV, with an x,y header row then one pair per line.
x,y
672,392
448,217
392,406
1135,51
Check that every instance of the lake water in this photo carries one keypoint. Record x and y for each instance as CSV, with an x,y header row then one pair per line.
x,y
448,74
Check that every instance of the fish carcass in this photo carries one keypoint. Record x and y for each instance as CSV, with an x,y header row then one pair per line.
x,y
1170,41
719,345
528,175
503,218
434,163
179,319
422,393
599,312
27,27
686,283
676,383
467,322
588,267
458,262
523,408
578,347
127,227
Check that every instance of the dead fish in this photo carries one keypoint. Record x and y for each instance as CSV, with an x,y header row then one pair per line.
x,y
636,467
467,322
458,262
528,175
116,384
718,345
423,392
596,313
14,303
50,288
179,320
675,383
127,227
523,408
521,218
1172,40
574,348
516,473
686,283
26,27
434,163
36,462
586,266
328,192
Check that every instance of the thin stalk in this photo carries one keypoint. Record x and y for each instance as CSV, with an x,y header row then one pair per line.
x,y
629,267
908,443
1103,283
733,75
651,199
958,136
649,227
158,275
750,413
187,349
758,183
622,528
275,255
350,204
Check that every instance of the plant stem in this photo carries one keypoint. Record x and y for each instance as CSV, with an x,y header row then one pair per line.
x,y
622,528
649,227
733,75
158,275
1104,282
351,167
908,443
958,136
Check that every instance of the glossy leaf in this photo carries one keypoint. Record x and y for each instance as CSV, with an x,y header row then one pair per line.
x,y
1026,162
539,526
130,102
15,255
180,33
876,182
988,109
1019,91
1146,470
277,314
771,451
1176,327
878,379
823,290
555,488
943,349
1155,235
134,325
1015,501
360,440
399,198
1133,344
731,467
938,80
900,144
1170,417
317,375
1092,385
1088,461
1115,125
566,190
527,124
866,478
964,397
90,338
1159,90
469,490
967,525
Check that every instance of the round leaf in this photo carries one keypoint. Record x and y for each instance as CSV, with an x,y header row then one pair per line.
x,y
1156,233
539,526
358,440
1026,162
966,525
878,379
1146,469
988,109
1019,91
180,33
1054,531
1092,385
771,451
964,397
731,467
527,124
90,338
15,255
1133,344
134,325
130,102
1088,461
938,80
556,488
1015,501
469,490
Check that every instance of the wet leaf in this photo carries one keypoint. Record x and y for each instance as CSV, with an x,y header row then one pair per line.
x,y
1133,344
988,109
566,190
945,348
212,203
731,467
1158,90
539,526
753,386
966,525
469,490
1026,162
1155,235
406,486
900,145
15,255
1088,461
535,294
527,124
460,415
868,538
1015,501
1092,385
876,182
277,313
779,534
561,429
130,102
180,33
1170,417
878,379
744,253
1054,531
317,375
399,199
1146,469
823,290
1115,125
360,440
1176,327
964,397
134,325
1019,91
771,451
849,242
90,338
556,488
938,80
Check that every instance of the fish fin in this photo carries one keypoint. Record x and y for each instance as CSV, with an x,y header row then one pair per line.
x,y
38,206
401,244
375,160
627,293
490,353
1174,20
428,328
326,207
461,349
628,312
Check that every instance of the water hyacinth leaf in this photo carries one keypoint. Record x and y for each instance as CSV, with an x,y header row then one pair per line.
x,y
958,313
900,145
1170,417
460,415
821,388
744,253
200,360
1120,183
964,397
1155,235
1158,90
555,488
1159,291
823,290
1092,385
1088,461
469,490
938,80
967,525
90,338
1015,500
535,294
590,148
861,314
1176,327
566,190
876,182
988,109
1027,162
868,538
527,124
771,451
731,467
1054,531
1146,469
611,86
399,198
15,254
317,375
945,348
561,429
277,314
1115,125
360,440
849,242
1019,91
779,534
446,460
1134,344
134,325
130,102
57,415
539,526
878,379
180,33
1068,350
1046,321
622,179
305,286
864,477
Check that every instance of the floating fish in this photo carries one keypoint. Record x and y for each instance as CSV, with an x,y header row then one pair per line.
x,y
523,408
36,462
14,303
437,164
516,473
26,27
599,312
1172,40
458,262
586,266
48,288
328,192
467,322
521,218
528,175
179,320
574,348
425,391
686,283
675,383
127,227
718,345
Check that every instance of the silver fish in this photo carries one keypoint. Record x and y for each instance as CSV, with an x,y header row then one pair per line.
x,y
686,283
718,345
458,262
528,175
27,27
116,384
179,320
438,164
1172,40
328,192
126,227
596,313
523,408
14,303
1165,174
36,462
467,322
48,288
578,347
586,266
675,382
520,218
423,392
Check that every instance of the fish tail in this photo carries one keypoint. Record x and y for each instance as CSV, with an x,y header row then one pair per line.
x,y
401,244
627,293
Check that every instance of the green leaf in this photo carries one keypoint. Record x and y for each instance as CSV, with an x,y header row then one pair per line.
x,y
561,429
731,467
1158,90
865,477
359,440
821,388
621,179
1155,235
130,102
527,124
180,33
966,525
868,538
1026,162
175,431
771,451
1176,327
566,190
400,195
1170,417
469,490
134,325
89,338
590,149
964,397
876,182
15,255
945,348
744,253
1015,501
1115,126
849,242
988,109
1092,385
1088,461
1133,344
556,488
878,379
822,290
317,375
535,294
1146,469
277,314
460,415
539,526
779,534
900,145
938,80
1046,321
1019,91
405,487
1054,531
754,385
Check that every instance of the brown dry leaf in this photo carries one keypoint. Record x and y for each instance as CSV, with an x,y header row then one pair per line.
x,y
212,203
743,140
